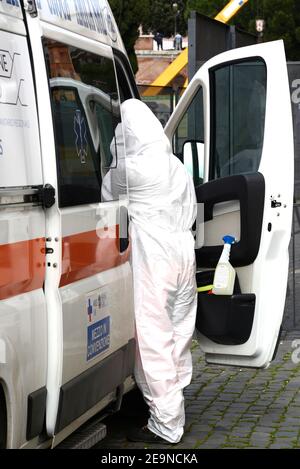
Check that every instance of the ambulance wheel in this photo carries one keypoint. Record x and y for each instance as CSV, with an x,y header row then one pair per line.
x,y
3,420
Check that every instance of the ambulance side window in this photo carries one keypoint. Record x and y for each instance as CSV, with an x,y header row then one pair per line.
x,y
126,82
86,112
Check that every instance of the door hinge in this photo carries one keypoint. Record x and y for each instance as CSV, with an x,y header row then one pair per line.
x,y
31,8
275,204
46,196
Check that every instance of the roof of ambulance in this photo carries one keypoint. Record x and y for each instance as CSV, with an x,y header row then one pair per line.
x,y
89,18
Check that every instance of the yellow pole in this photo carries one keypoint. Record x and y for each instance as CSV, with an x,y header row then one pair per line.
x,y
168,74
230,10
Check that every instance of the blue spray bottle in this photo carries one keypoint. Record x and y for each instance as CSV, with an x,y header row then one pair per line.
x,y
224,277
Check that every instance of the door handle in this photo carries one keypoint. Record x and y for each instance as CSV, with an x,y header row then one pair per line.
x,y
275,204
124,228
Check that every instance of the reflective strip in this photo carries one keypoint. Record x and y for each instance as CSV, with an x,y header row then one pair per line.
x,y
205,288
22,267
89,253
22,264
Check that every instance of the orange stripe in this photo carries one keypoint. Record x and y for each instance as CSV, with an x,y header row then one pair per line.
x,y
86,254
22,267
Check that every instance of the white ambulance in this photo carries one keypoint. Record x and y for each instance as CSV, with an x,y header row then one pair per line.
x,y
66,306
66,315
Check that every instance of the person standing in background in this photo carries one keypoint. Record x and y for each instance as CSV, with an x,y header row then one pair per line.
x,y
178,42
158,38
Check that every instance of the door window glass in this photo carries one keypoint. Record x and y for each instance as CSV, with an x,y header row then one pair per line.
x,y
125,90
238,104
188,142
86,111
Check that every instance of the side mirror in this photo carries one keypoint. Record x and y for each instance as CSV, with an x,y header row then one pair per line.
x,y
193,159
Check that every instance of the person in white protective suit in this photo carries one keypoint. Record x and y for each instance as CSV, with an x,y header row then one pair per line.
x,y
162,210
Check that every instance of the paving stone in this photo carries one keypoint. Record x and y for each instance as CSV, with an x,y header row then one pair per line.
x,y
240,434
266,430
291,421
281,446
286,434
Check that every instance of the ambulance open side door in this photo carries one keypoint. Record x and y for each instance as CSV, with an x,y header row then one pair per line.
x,y
88,280
233,129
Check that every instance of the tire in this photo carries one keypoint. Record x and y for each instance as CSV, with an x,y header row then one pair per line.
x,y
3,420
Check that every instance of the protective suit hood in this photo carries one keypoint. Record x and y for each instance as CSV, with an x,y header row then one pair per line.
x,y
142,130
161,191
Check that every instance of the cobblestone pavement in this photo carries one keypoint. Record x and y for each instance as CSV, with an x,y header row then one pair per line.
x,y
291,318
231,407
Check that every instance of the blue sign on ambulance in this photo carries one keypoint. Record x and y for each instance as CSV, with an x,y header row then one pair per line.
x,y
98,337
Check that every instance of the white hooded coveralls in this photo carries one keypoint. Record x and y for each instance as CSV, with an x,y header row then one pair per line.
x,y
162,210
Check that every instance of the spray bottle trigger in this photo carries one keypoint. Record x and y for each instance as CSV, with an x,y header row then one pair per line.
x,y
229,239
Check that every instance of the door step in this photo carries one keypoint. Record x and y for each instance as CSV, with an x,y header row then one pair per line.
x,y
85,437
